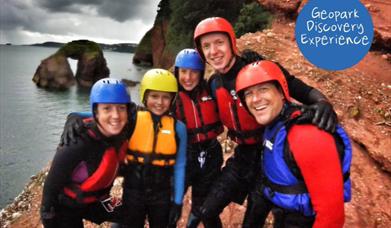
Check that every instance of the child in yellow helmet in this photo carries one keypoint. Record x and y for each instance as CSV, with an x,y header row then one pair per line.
x,y
156,156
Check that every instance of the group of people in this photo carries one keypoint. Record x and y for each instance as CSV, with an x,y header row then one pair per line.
x,y
291,160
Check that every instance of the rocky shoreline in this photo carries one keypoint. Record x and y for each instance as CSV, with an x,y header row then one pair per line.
x,y
23,202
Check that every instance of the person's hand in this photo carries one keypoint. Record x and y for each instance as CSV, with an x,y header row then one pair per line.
x,y
250,56
73,127
324,115
48,218
213,205
175,214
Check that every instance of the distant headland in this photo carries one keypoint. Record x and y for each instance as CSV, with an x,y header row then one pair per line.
x,y
122,47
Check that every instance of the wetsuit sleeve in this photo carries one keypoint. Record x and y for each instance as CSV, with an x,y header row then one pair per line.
x,y
180,165
316,155
297,88
64,161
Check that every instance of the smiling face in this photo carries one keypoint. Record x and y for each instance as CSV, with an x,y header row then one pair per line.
x,y
111,118
158,102
264,101
188,78
217,50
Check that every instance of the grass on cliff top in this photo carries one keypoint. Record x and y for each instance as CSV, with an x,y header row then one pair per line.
x,y
76,49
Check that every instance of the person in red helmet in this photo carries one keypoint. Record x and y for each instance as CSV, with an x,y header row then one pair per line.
x,y
304,171
216,42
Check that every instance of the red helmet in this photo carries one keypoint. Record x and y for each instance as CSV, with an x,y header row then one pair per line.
x,y
214,24
260,72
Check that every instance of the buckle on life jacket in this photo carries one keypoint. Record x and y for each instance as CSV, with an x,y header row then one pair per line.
x,y
110,203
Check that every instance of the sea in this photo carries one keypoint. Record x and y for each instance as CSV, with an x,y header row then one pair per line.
x,y
32,118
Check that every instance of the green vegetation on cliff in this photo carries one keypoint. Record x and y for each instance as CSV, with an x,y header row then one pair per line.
x,y
77,48
187,14
145,43
182,16
252,18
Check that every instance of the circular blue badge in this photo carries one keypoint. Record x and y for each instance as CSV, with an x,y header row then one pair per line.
x,y
334,35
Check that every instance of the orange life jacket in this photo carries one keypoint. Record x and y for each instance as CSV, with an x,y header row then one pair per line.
x,y
154,145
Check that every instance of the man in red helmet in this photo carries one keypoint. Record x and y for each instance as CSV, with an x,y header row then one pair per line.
x,y
216,42
304,170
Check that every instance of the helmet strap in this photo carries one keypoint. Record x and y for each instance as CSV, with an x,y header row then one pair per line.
x,y
229,64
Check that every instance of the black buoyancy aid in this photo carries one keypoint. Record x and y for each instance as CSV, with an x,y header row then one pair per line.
x,y
98,183
200,116
242,127
153,143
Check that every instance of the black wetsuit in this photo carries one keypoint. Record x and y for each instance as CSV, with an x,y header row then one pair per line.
x,y
69,212
203,164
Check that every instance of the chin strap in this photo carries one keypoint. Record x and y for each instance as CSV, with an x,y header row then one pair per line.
x,y
230,63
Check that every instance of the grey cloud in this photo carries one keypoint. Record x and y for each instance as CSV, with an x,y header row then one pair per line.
x,y
20,19
13,15
19,15
119,10
70,6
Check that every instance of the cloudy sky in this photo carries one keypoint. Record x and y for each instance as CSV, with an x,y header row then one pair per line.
x,y
103,21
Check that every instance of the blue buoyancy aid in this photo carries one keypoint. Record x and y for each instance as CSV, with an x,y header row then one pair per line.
x,y
284,185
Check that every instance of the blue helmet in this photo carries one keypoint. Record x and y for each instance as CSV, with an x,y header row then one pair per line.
x,y
109,91
190,59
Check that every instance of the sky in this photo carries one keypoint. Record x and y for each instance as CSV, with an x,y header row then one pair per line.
x,y
102,21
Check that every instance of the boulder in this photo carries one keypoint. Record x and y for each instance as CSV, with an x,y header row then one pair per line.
x,y
55,72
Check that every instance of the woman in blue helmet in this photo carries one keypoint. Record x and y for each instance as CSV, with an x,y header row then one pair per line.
x,y
197,109
81,175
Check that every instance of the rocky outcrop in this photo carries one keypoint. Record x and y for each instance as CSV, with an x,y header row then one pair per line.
x,y
288,8
54,72
154,40
379,10
143,54
161,55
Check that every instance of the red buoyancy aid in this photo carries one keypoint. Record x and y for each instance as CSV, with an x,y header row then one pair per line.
x,y
200,116
101,179
242,127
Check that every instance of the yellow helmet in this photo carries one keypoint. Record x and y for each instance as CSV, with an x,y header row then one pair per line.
x,y
159,80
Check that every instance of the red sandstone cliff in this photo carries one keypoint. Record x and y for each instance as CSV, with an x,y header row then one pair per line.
x,y
361,96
